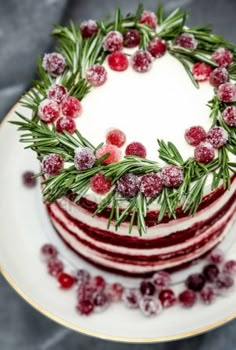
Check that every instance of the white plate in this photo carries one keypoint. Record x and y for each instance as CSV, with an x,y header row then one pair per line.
x,y
25,227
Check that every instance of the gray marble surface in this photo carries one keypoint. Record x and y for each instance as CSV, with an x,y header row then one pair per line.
x,y
24,35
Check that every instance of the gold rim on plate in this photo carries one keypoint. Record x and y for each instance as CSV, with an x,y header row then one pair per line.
x,y
95,334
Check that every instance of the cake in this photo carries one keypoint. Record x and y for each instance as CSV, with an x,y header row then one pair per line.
x,y
134,124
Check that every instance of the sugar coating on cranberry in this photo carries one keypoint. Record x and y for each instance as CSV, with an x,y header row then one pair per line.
x,y
84,292
57,93
97,283
96,75
100,184
54,63
222,57
136,149
115,291
101,302
217,136
89,28
116,137
195,282
113,41
216,256
201,71
224,281
229,267
151,184
211,272
229,115
55,266
157,47
48,111
172,176
85,307
132,38
29,179
219,76
187,298
195,135
149,19
204,153
118,61
187,41
48,251
65,124
150,306
71,107
207,295
84,158
65,280
147,288
131,297
161,280
52,164
227,92
113,153
141,61
82,276
128,185
167,298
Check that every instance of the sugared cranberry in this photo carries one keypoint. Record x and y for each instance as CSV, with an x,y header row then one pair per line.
x,y
195,282
131,38
229,115
85,307
48,251
227,92
219,76
204,153
187,41
113,41
172,176
57,93
224,281
150,306
167,298
113,153
207,295
115,291
71,107
151,184
55,267
65,280
54,63
131,297
84,292
141,61
161,280
82,276
29,179
101,302
217,136
147,288
65,124
136,149
100,184
52,164
84,158
157,47
128,185
195,135
201,71
216,256
211,272
118,61
97,283
149,19
96,75
222,57
187,298
230,267
48,111
116,137
89,28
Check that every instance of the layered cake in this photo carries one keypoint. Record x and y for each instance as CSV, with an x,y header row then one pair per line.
x,y
134,124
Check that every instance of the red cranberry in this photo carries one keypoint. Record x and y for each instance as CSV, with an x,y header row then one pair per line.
x,y
151,184
57,93
71,107
52,164
85,307
217,136
84,158
224,281
157,47
131,297
150,306
65,280
96,75
149,19
84,292
97,283
227,92
147,288
115,291
222,57
113,41
211,272
216,256
131,38
55,267
128,185
204,153
65,124
201,71
113,152
161,280
48,111
54,63
195,282
136,149
230,267
195,135
29,179
229,115
116,137
118,61
100,184
167,298
141,61
172,176
48,251
219,76
101,302
207,295
187,41
89,28
187,298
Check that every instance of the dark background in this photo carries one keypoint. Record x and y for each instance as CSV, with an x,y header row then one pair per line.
x,y
25,26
